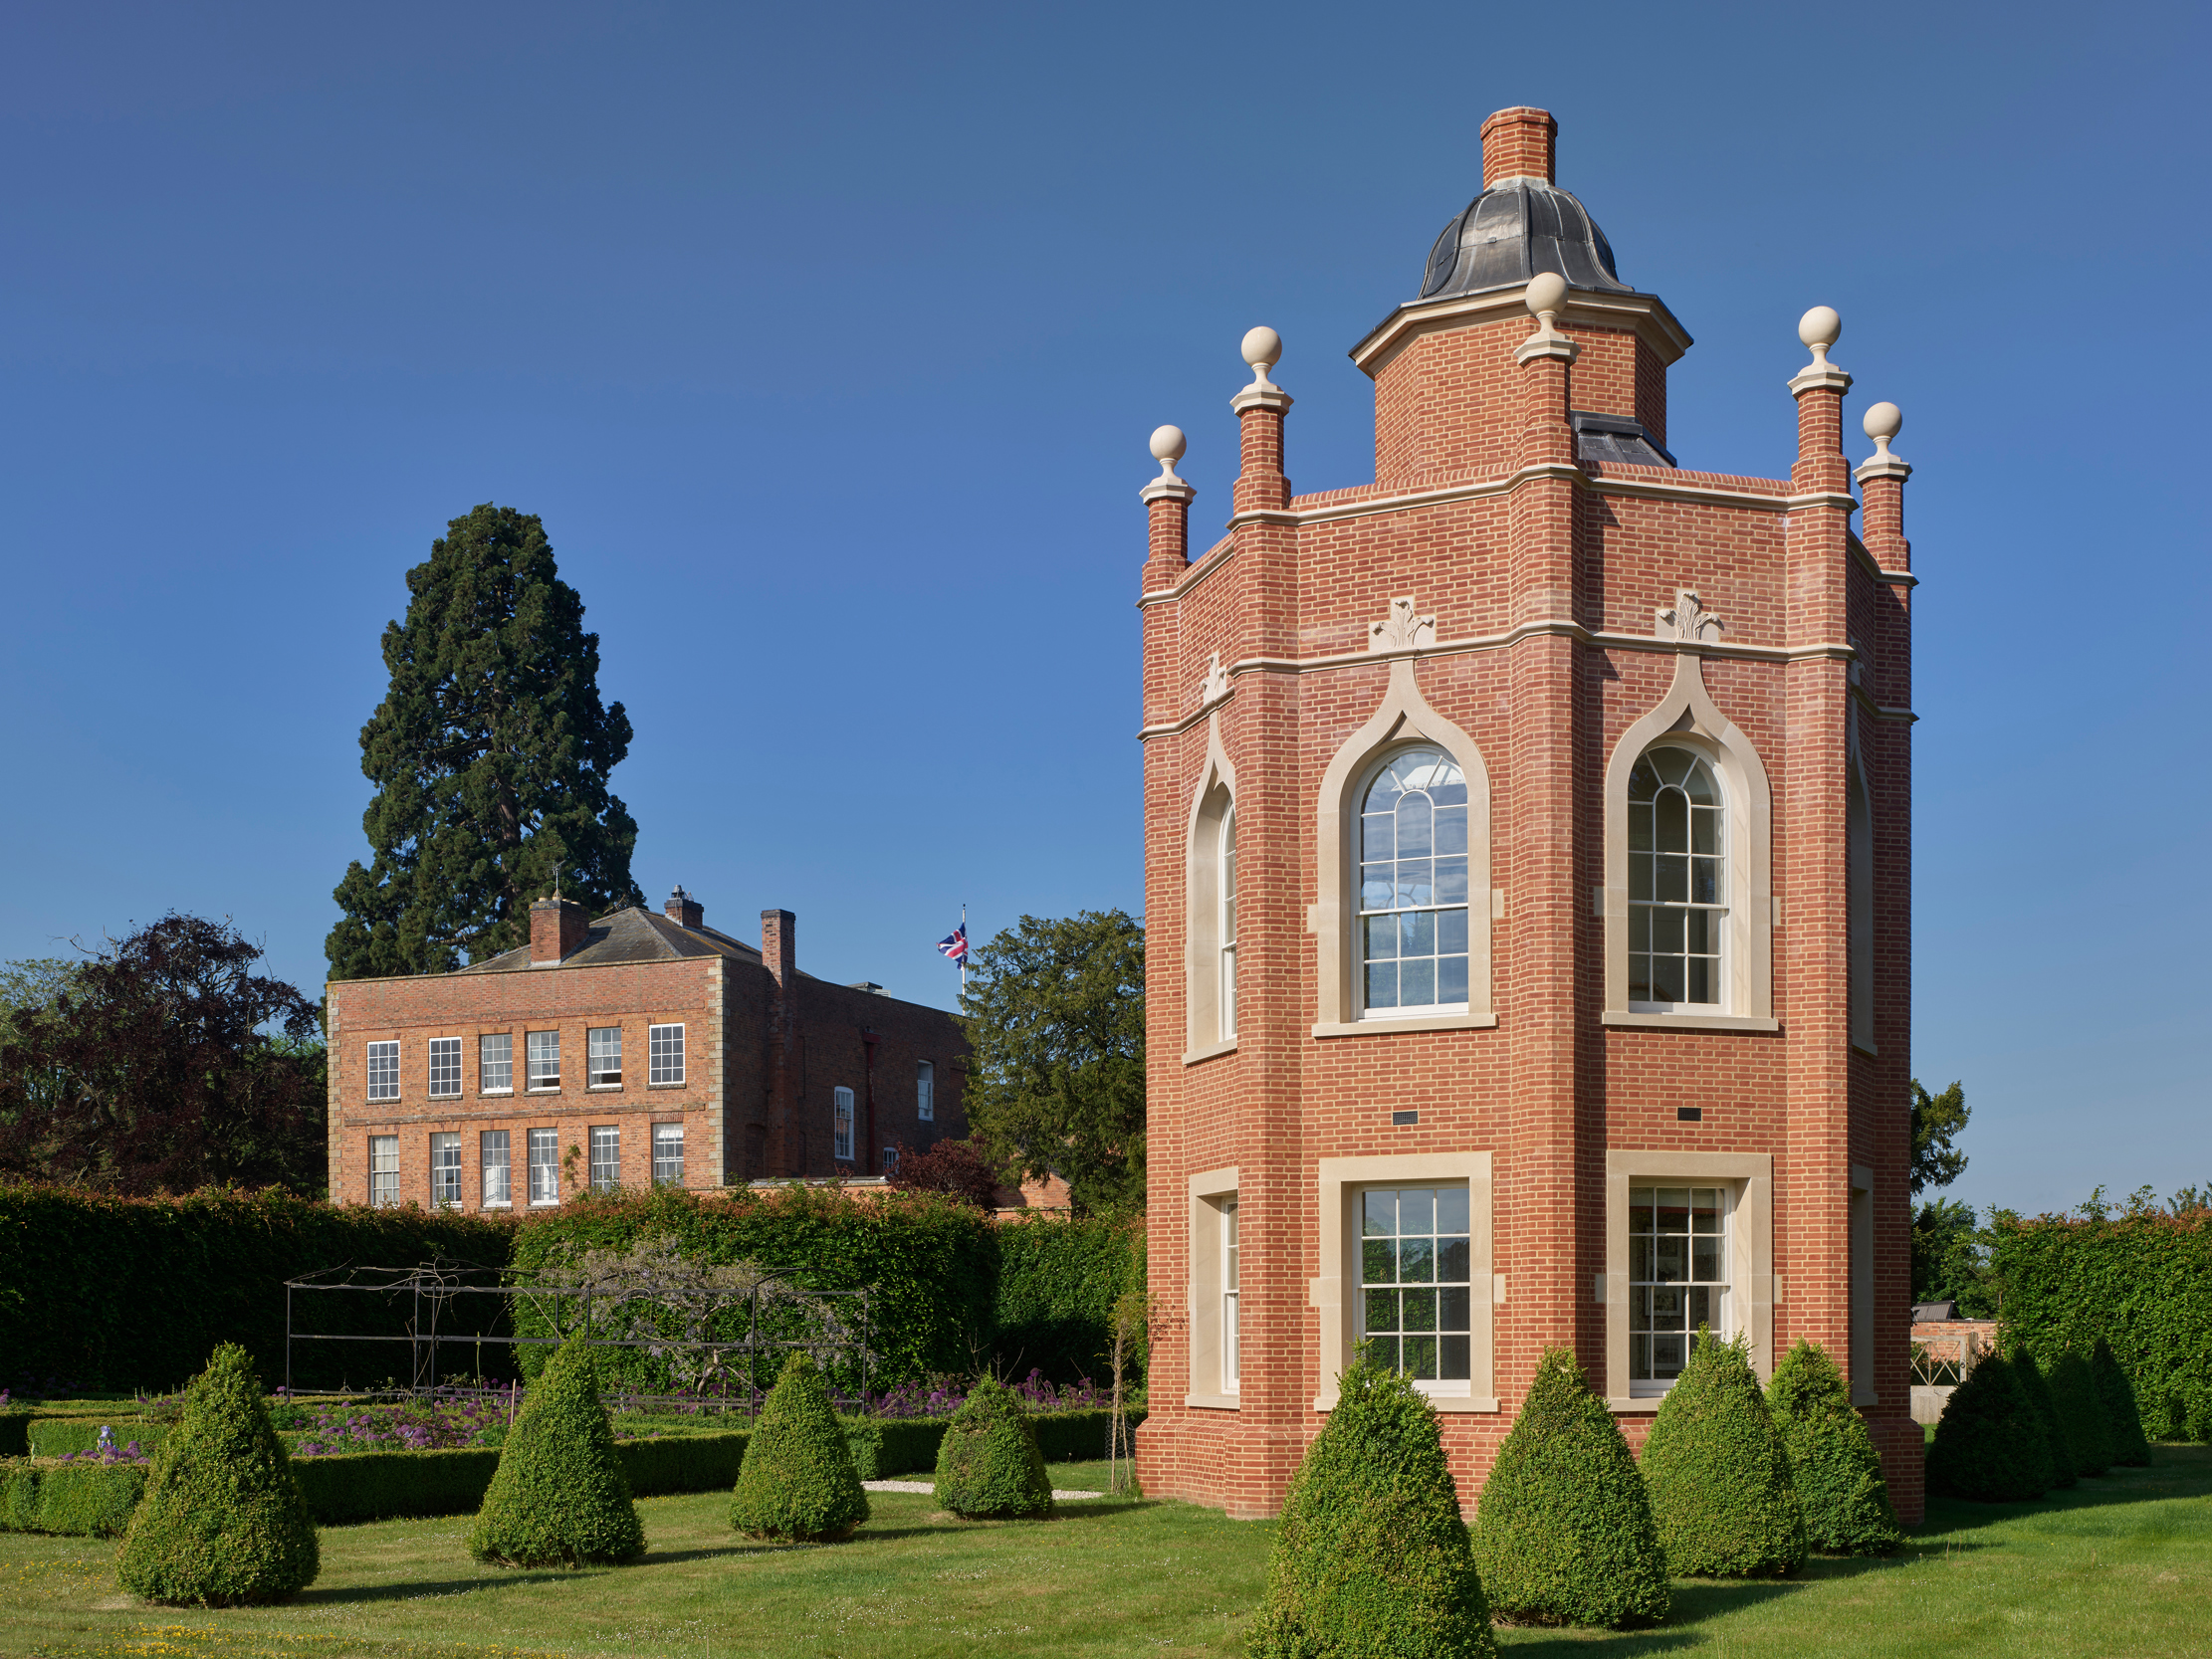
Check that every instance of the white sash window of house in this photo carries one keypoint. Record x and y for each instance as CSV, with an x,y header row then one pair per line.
x,y
384,1071
668,1154
1678,881
606,1157
664,1054
445,1170
492,1157
544,1167
383,1171
841,1123
1413,887
1677,1278
1228,925
545,1058
495,1064
603,1055
890,1161
1231,1330
445,1068
925,1091
1415,1287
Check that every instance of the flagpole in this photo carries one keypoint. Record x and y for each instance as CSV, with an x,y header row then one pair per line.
x,y
963,947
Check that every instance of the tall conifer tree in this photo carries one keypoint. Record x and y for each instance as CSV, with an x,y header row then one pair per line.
x,y
490,754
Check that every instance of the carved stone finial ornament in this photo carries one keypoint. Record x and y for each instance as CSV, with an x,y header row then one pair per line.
x,y
1687,620
1263,351
1820,329
1402,630
1168,447
1545,299
1217,683
1883,422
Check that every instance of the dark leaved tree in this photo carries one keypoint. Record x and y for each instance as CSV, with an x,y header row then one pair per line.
x,y
950,1166
490,754
165,1061
1055,1013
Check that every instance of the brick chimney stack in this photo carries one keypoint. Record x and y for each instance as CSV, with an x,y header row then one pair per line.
x,y
788,1147
685,911
779,946
556,930
1519,144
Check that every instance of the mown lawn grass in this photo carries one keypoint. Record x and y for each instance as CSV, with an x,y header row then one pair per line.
x,y
2117,1566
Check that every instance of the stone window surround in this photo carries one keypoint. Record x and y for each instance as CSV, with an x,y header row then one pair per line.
x,y
1402,720
1207,1189
1686,718
1341,1180
1210,803
1749,1176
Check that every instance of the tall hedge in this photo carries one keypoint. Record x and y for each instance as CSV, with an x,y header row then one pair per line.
x,y
222,1522
1564,1535
1718,1473
2082,1408
2065,1466
2122,1413
1057,1283
2142,1282
1371,1557
1833,1461
932,1262
1990,1444
559,1496
90,1285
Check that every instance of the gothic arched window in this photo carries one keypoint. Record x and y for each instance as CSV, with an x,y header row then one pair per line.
x,y
1413,885
1677,881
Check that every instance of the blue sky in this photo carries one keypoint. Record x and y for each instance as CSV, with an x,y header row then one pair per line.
x,y
826,341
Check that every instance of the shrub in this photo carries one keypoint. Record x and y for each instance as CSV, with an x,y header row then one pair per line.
x,y
559,1496
1833,1461
1990,1444
222,1521
2121,1413
83,1500
1564,1535
2023,1362
798,1480
1718,1473
1371,1556
989,1466
2082,1409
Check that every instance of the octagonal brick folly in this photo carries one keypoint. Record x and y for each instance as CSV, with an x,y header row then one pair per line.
x,y
1527,841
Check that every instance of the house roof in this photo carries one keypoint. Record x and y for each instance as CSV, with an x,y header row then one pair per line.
x,y
635,935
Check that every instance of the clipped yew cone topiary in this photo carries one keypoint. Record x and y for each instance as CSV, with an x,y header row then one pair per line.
x,y
1833,1461
1371,1557
2022,1358
2082,1409
797,1480
222,1522
1718,1473
987,1465
2123,1415
1565,1534
560,1496
1990,1444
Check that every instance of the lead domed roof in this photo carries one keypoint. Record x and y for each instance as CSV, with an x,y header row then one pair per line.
x,y
1516,229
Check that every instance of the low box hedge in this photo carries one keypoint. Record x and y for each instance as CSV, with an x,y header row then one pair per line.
x,y
1078,1436
78,1500
52,1436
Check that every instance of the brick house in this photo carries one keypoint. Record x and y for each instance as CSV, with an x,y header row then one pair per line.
x,y
627,1050
1528,880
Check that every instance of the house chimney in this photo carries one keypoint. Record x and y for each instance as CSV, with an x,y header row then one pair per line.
x,y
779,946
1519,144
685,911
556,930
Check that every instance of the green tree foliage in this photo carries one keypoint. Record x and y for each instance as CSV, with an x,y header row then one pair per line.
x,y
1371,1557
1565,1532
2064,1464
162,1061
222,1522
560,1496
1833,1461
491,754
1719,1474
1055,1013
1937,1121
1950,1259
2082,1408
987,1465
797,1480
1990,1444
2122,1414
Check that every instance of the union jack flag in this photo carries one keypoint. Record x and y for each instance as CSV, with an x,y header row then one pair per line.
x,y
954,946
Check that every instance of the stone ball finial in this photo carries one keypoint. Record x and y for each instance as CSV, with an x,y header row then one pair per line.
x,y
1547,292
1883,422
1167,445
1263,348
1820,329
